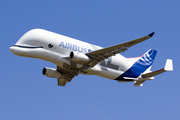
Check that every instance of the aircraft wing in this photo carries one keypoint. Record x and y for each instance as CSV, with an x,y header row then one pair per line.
x,y
99,55
66,76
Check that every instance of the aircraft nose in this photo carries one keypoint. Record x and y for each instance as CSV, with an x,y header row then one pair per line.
x,y
20,51
13,49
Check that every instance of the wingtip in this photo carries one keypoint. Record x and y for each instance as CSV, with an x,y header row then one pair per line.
x,y
151,34
169,65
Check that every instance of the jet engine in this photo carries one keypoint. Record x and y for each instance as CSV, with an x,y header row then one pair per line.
x,y
50,72
79,57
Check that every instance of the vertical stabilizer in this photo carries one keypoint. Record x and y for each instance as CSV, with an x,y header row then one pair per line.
x,y
140,66
146,60
143,63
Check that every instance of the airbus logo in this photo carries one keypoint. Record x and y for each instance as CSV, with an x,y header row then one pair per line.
x,y
74,47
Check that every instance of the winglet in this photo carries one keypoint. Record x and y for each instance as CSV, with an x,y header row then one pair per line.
x,y
169,65
151,34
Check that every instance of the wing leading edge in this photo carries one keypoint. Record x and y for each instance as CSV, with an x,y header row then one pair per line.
x,y
99,55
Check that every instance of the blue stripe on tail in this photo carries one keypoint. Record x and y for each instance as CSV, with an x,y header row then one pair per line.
x,y
140,66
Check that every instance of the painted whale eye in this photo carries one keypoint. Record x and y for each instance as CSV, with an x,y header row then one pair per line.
x,y
50,45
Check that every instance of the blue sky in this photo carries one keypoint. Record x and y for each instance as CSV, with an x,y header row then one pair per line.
x,y
26,94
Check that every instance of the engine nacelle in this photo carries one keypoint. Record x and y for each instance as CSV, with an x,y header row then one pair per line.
x,y
79,57
50,72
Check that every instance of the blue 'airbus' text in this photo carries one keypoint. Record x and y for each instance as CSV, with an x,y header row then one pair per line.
x,y
74,47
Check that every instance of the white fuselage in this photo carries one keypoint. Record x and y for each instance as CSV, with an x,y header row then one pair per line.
x,y
54,48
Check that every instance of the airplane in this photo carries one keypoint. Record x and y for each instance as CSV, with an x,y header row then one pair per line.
x,y
73,57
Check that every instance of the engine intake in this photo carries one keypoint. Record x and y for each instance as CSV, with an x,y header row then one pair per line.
x,y
79,57
50,72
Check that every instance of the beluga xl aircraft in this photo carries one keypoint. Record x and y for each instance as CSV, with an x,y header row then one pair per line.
x,y
73,57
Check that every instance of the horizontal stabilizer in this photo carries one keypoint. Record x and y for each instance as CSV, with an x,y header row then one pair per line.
x,y
168,67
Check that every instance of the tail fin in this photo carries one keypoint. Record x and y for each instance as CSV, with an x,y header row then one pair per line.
x,y
140,66
146,60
